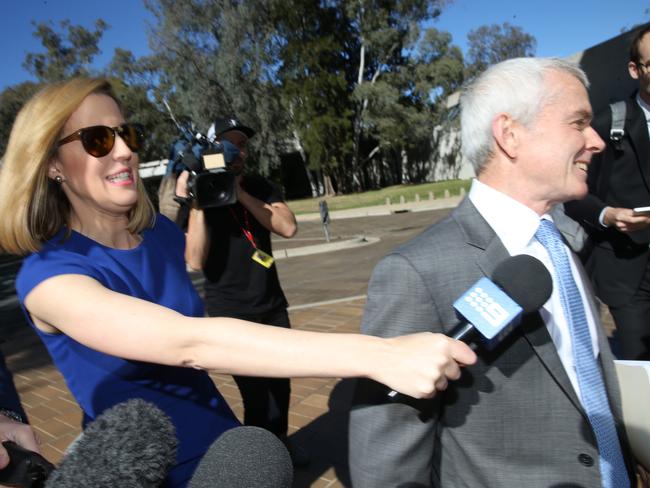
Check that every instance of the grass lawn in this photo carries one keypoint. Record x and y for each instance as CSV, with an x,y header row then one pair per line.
x,y
378,197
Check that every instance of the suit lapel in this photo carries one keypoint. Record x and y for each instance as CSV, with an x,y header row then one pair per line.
x,y
480,235
637,127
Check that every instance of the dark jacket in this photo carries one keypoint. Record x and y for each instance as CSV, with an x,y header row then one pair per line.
x,y
618,177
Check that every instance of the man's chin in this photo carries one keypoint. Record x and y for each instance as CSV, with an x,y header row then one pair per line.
x,y
581,193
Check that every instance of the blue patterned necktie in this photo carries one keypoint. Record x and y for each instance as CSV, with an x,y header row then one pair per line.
x,y
590,379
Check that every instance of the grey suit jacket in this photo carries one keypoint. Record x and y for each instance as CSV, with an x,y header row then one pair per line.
x,y
512,420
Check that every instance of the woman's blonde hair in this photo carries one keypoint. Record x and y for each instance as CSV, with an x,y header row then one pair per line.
x,y
33,207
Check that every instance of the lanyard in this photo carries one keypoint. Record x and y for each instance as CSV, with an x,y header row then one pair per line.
x,y
244,228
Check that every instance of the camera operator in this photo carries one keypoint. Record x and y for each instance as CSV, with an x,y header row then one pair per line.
x,y
232,245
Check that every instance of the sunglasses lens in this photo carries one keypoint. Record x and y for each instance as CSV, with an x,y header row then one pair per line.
x,y
98,141
132,135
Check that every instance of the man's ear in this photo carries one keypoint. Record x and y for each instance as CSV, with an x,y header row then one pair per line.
x,y
633,69
505,133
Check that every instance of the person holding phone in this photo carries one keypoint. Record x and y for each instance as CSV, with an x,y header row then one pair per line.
x,y
616,214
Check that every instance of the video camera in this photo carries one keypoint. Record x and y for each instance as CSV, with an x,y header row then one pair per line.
x,y
210,184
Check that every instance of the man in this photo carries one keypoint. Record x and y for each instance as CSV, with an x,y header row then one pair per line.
x,y
619,180
524,414
232,245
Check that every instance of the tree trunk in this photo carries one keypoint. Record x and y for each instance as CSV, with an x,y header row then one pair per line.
x,y
329,188
305,163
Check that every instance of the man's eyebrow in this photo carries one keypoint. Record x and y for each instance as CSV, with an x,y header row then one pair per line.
x,y
583,114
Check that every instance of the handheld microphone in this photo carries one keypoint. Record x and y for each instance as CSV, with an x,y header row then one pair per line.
x,y
489,310
131,445
245,457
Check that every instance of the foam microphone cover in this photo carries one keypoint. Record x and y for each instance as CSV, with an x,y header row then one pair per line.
x,y
131,445
245,457
524,279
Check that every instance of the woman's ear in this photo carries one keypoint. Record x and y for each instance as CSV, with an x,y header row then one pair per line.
x,y
506,137
53,169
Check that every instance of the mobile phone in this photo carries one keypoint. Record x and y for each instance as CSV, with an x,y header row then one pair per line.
x,y
641,210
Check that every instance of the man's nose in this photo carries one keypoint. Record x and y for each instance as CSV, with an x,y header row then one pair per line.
x,y
594,142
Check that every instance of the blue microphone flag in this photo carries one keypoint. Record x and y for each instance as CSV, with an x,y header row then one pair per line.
x,y
488,309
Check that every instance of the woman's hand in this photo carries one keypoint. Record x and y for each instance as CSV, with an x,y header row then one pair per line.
x,y
421,364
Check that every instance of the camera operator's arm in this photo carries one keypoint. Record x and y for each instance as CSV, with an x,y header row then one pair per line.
x,y
277,217
21,434
197,240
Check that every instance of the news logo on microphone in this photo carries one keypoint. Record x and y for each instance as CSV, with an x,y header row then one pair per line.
x,y
488,309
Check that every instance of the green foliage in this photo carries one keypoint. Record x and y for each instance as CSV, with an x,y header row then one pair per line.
x,y
356,87
67,53
361,73
218,58
315,87
490,44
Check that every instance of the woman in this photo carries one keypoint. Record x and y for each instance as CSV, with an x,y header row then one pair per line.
x,y
107,291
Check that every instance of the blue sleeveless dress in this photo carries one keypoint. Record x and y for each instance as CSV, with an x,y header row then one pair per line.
x,y
154,271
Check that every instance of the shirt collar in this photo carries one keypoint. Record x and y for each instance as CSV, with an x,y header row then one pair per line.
x,y
513,222
644,106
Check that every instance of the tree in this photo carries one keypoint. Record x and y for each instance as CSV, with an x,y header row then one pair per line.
x,y
219,58
403,106
490,44
67,53
316,93
352,85
389,52
362,74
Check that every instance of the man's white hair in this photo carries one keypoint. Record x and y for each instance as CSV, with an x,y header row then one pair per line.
x,y
517,87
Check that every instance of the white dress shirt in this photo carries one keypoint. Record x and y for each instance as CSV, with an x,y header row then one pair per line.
x,y
646,110
515,224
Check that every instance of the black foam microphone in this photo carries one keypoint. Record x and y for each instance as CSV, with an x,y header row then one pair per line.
x,y
245,457
131,445
490,309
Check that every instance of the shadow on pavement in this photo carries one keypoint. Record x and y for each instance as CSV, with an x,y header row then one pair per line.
x,y
327,438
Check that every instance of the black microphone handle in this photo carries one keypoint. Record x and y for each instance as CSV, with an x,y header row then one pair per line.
x,y
464,331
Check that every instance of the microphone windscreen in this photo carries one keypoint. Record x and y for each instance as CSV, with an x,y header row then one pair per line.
x,y
131,445
524,279
245,457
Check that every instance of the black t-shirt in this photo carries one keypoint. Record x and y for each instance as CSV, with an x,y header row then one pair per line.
x,y
236,285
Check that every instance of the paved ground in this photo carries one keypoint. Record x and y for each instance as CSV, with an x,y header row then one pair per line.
x,y
326,291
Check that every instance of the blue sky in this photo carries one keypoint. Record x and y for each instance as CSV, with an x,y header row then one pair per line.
x,y
561,27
